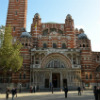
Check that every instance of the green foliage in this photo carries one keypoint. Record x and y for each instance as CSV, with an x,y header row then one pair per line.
x,y
2,30
10,58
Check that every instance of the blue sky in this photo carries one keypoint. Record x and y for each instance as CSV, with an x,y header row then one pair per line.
x,y
86,15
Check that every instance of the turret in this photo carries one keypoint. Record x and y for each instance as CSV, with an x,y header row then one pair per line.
x,y
83,41
69,23
16,16
69,31
36,25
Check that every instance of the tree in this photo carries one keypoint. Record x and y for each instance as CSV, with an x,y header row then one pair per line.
x,y
10,58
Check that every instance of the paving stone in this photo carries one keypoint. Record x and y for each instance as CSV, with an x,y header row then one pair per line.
x,y
72,95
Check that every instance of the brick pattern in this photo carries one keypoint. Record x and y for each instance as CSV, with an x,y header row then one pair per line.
x,y
16,16
49,33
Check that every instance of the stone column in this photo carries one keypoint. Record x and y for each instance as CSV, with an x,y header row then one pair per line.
x,y
50,80
44,79
77,60
51,77
61,81
72,58
36,78
33,78
34,59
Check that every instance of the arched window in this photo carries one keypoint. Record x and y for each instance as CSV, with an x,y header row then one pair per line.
x,y
20,76
98,58
83,45
24,76
26,44
14,28
53,29
86,76
44,45
55,63
59,31
15,12
45,32
90,76
98,69
54,45
74,60
63,46
36,59
23,44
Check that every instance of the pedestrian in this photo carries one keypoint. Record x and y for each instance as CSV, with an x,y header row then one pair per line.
x,y
95,93
98,92
66,91
34,88
30,89
52,89
16,91
13,93
79,90
7,93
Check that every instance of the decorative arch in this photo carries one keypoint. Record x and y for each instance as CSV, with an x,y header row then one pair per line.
x,y
45,32
59,57
98,68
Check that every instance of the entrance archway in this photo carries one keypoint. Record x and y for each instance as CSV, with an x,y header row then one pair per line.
x,y
56,80
56,59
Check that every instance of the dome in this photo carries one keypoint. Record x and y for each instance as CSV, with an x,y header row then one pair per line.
x,y
69,16
25,34
82,36
37,15
81,30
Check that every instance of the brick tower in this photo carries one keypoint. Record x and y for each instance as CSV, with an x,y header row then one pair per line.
x,y
69,31
16,17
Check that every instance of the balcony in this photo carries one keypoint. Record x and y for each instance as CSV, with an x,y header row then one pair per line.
x,y
76,66
35,66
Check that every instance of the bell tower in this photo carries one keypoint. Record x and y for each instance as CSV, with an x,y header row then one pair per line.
x,y
69,31
16,17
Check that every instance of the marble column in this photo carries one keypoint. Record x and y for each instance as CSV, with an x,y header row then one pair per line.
x,y
61,81
51,76
33,78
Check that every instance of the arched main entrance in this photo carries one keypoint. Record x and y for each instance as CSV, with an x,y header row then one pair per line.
x,y
56,69
56,80
56,62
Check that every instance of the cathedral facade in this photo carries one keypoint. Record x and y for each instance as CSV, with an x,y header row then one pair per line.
x,y
53,53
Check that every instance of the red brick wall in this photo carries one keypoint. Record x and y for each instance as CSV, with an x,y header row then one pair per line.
x,y
17,20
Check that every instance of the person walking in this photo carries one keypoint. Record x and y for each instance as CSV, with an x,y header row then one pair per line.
x,y
50,85
7,93
30,89
98,92
16,91
95,93
79,90
66,91
52,89
13,93
34,88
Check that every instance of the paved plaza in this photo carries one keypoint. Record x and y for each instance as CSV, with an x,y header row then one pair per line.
x,y
72,95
